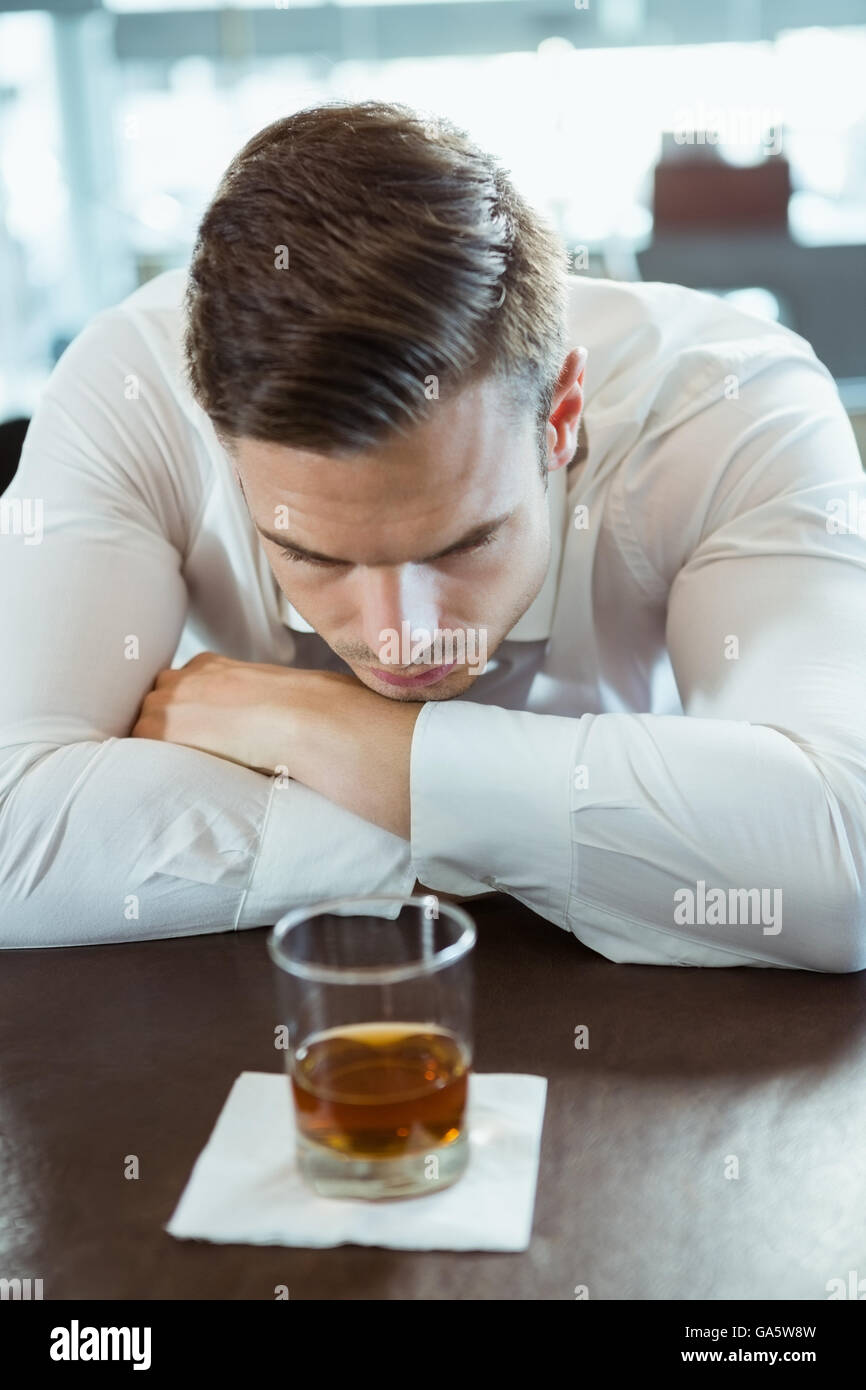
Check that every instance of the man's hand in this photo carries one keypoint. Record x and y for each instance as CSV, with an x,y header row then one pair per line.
x,y
322,728
229,708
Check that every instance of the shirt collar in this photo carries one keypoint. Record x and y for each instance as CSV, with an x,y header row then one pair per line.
x,y
536,623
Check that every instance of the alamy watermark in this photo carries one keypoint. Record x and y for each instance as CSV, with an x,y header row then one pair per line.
x,y
846,516
20,1289
702,906
22,516
444,647
734,125
77,1343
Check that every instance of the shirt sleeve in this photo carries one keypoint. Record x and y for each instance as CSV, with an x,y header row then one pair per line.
x,y
735,833
105,838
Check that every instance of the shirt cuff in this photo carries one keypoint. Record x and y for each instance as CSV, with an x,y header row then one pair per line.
x,y
311,849
490,802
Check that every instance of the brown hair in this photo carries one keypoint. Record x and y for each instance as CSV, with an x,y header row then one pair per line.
x,y
410,255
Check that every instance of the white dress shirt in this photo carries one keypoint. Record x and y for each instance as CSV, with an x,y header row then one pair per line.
x,y
666,757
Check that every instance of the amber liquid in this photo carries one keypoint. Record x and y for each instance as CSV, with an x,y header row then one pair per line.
x,y
381,1090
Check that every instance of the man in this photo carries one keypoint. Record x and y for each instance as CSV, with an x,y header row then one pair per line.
x,y
378,417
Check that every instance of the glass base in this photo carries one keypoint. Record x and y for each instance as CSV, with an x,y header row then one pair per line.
x,y
334,1175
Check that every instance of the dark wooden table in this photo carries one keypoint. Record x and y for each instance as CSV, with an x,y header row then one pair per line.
x,y
710,1143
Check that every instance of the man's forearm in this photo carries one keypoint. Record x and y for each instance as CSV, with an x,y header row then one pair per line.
x,y
324,729
355,748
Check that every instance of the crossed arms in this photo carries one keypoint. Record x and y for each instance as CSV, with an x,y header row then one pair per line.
x,y
136,802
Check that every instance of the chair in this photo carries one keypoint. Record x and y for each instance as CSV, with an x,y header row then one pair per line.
x,y
12,434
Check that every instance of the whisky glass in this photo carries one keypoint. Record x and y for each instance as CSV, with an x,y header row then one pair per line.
x,y
375,997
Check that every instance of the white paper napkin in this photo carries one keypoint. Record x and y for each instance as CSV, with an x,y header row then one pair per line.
x,y
245,1186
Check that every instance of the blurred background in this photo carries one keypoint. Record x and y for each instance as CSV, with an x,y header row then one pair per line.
x,y
721,146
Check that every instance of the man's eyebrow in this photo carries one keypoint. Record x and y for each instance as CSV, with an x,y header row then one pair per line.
x,y
476,534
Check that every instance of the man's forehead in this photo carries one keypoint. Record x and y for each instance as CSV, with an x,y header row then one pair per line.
x,y
472,441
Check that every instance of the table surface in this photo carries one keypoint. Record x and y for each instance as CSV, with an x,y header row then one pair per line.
x,y
709,1143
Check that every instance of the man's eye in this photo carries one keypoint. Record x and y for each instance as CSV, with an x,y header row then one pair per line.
x,y
296,558
485,540
306,560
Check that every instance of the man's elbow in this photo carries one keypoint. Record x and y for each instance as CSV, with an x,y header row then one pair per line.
x,y
837,934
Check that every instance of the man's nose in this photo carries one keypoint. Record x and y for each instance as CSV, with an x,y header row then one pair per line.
x,y
391,595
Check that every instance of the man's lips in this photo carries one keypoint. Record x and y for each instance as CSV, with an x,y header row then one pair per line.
x,y
436,673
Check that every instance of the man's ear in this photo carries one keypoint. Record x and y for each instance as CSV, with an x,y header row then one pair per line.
x,y
566,410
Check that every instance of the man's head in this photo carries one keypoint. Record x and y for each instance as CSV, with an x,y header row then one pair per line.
x,y
376,329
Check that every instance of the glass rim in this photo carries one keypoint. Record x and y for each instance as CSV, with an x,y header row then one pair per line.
x,y
371,974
